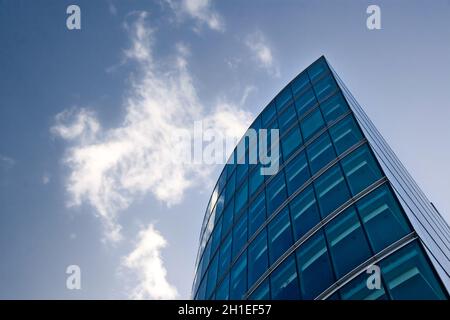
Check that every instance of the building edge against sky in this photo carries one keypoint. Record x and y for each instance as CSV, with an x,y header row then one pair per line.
x,y
341,202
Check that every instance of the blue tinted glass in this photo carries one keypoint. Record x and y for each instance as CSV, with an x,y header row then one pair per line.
x,y
262,292
333,107
331,190
202,290
268,115
241,199
219,205
297,172
304,212
241,171
382,217
300,83
348,244
239,235
238,279
276,192
312,124
408,275
287,119
280,235
227,219
222,180
283,98
345,134
357,290
291,141
306,101
223,292
320,153
360,169
325,87
216,236
258,258
256,213
212,276
284,281
318,69
229,189
255,180
314,267
225,255
206,256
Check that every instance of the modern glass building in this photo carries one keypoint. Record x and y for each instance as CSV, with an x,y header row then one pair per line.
x,y
340,202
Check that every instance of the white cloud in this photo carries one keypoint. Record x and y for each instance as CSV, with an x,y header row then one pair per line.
x,y
262,53
112,8
45,178
146,261
6,162
199,10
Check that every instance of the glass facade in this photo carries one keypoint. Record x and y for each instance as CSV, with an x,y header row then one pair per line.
x,y
311,230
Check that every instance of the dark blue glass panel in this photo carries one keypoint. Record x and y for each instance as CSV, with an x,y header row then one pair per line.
x,y
223,292
206,256
229,189
268,115
297,172
331,190
283,98
256,213
280,235
325,87
345,134
276,192
318,69
408,275
241,172
314,267
256,179
201,293
238,278
258,258
284,281
334,107
291,141
306,101
241,199
239,235
216,236
311,124
225,255
360,169
227,218
304,212
320,153
212,276
382,217
357,290
287,119
262,292
300,83
347,242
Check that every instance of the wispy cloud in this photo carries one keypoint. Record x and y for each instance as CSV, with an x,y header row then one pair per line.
x,y
45,178
262,53
146,261
6,162
199,10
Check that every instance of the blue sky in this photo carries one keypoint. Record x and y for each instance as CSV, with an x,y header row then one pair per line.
x,y
85,175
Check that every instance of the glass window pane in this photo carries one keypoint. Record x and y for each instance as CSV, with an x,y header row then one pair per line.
x,y
291,141
305,102
382,217
314,267
280,235
223,292
212,276
345,134
268,115
297,172
334,107
287,119
258,258
320,153
238,279
284,281
206,256
325,87
225,255
300,83
276,193
262,292
348,244
256,213
255,180
318,69
216,236
331,190
202,290
312,124
304,212
283,98
239,235
241,198
241,171
229,189
357,290
408,275
360,169
227,218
